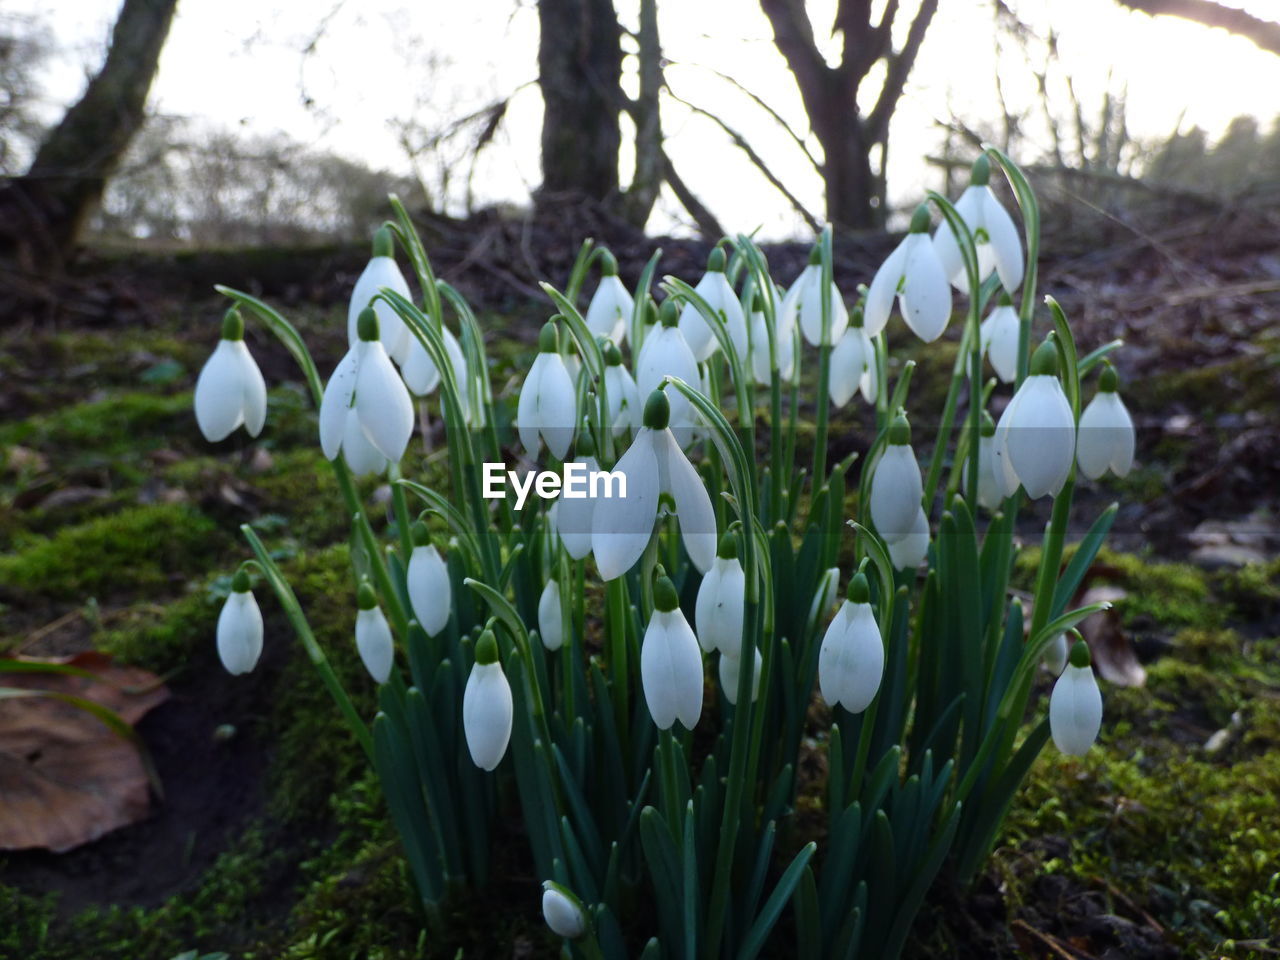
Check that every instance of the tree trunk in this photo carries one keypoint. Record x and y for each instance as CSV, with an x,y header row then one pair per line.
x,y
579,72
1264,34
648,177
44,211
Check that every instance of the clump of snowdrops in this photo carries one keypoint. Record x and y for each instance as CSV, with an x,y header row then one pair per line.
x,y
636,673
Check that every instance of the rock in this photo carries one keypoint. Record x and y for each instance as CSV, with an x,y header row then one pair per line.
x,y
1225,555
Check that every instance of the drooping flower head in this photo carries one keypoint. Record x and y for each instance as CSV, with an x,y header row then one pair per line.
x,y
994,234
625,409
852,362
487,706
573,515
427,582
611,305
548,407
1035,440
999,339
1106,438
562,911
373,635
896,489
762,365
721,604
915,277
1075,706
990,484
230,390
666,353
240,628
670,661
714,288
381,271
851,660
551,616
803,302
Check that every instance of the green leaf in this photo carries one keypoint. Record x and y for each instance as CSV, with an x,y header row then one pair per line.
x,y
772,909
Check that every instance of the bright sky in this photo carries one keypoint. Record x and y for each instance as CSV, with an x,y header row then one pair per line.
x,y
237,63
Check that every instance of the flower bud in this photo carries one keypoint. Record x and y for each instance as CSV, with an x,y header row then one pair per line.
x,y
240,628
562,912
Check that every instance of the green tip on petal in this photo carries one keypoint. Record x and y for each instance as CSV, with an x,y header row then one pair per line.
x,y
980,175
549,338
1005,299
419,533
1109,382
1080,654
665,597
669,313
612,355
585,445
859,589
716,262
366,599
608,264
855,317
728,549
240,582
920,220
657,410
900,430
815,255
1044,362
383,243
232,325
487,649
367,325
988,428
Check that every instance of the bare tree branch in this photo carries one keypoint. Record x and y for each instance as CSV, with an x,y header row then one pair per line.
x,y
704,218
1264,34
900,65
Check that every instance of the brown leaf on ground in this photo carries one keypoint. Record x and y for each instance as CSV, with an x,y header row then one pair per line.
x,y
1109,645
65,777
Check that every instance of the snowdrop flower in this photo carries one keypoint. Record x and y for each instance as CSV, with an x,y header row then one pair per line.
x,y
548,406
852,361
999,339
667,353
990,484
714,288
381,271
804,301
611,306
722,601
573,515
419,370
1075,706
913,275
562,911
670,662
625,411
994,234
1055,655
550,616
366,413
240,628
851,661
762,366
373,635
1106,438
896,490
730,669
427,582
1035,441
487,708
230,390
906,551
653,466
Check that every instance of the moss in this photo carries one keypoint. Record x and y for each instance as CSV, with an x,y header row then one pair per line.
x,y
1247,382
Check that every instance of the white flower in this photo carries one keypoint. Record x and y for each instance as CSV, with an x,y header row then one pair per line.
x,y
913,275
562,912
548,406
654,465
611,305
230,390
896,490
365,398
1035,441
852,361
715,289
487,707
730,670
1106,438
804,301
990,484
666,353
870,383
784,343
240,628
994,233
573,515
999,339
722,601
427,582
851,661
373,636
1075,706
906,551
625,410
671,663
550,613
381,271
1055,654
419,370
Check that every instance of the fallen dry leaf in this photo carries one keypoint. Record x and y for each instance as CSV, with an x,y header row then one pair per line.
x,y
1109,645
65,778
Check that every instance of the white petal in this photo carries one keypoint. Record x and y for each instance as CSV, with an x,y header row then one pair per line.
x,y
557,411
574,516
1075,710
696,333
395,336
848,363
419,372
373,640
1041,436
761,366
704,609
811,311
693,504
625,409
458,360
721,606
527,420
896,491
831,655
990,487
487,712
907,552
550,622
240,633
870,383
563,917
430,594
948,251
220,391
1055,655
861,664
336,401
926,296
970,208
383,403
255,394
666,353
671,670
1106,437
610,309
620,534
730,669
362,456
1007,480
884,290
999,338
1006,248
